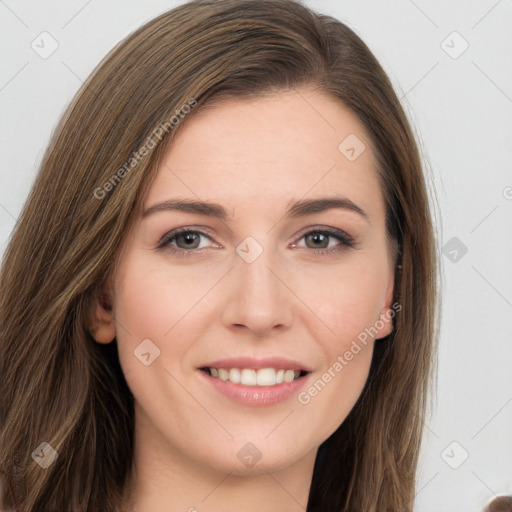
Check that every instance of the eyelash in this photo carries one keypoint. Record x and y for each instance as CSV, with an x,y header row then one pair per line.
x,y
347,242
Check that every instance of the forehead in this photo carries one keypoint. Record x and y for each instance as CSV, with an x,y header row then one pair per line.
x,y
270,150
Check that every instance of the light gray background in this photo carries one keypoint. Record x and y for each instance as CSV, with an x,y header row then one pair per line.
x,y
461,107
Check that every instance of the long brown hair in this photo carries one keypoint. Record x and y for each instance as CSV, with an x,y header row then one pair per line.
x,y
58,386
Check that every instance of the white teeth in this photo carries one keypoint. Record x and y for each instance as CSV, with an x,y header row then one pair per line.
x,y
234,375
289,375
250,377
266,377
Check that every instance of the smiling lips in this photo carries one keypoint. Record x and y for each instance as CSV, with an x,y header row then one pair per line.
x,y
256,381
251,377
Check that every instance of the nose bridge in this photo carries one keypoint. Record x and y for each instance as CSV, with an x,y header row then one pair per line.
x,y
258,299
256,278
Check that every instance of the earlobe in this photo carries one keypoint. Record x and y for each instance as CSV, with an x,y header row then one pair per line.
x,y
102,326
385,322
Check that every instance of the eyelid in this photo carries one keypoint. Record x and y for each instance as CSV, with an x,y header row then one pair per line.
x,y
340,234
185,229
346,240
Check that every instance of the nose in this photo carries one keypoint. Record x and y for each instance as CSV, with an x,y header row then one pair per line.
x,y
259,298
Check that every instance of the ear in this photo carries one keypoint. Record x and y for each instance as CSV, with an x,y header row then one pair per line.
x,y
101,324
385,322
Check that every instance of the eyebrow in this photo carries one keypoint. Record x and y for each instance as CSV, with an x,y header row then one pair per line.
x,y
294,209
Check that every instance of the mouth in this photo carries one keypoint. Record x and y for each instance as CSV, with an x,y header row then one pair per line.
x,y
255,377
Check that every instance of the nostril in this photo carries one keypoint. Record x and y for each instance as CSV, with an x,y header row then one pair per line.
x,y
500,504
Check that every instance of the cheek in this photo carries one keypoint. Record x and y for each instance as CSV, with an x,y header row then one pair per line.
x,y
155,304
332,394
349,306
347,300
152,299
163,304
145,308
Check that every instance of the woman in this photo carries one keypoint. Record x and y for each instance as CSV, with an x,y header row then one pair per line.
x,y
221,293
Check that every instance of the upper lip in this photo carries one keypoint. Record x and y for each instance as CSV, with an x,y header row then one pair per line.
x,y
257,362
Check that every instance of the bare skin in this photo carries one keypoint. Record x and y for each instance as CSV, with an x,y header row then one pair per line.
x,y
306,297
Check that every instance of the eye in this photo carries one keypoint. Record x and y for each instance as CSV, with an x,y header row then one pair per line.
x,y
319,239
184,241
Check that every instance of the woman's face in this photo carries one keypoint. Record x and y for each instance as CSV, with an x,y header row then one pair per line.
x,y
271,282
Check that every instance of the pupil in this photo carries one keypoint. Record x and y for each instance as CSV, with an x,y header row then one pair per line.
x,y
317,239
189,237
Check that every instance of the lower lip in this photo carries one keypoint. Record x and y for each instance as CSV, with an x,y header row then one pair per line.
x,y
257,396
